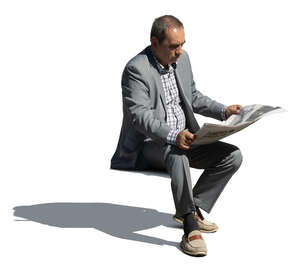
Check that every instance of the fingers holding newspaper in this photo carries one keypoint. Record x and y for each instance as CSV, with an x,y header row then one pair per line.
x,y
233,109
184,139
247,115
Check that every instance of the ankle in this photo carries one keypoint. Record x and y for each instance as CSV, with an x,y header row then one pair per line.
x,y
198,212
189,223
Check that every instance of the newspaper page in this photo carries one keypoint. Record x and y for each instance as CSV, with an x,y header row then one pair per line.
x,y
249,114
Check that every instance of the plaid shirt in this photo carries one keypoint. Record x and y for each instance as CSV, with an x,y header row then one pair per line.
x,y
175,114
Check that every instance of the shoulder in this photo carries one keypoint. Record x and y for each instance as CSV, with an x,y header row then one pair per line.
x,y
183,64
184,58
139,62
137,69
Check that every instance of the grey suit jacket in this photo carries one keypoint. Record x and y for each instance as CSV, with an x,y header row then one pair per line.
x,y
144,107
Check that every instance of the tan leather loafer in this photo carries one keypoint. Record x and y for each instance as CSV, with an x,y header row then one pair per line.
x,y
194,244
205,226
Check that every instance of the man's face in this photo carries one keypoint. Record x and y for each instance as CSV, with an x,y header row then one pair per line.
x,y
169,50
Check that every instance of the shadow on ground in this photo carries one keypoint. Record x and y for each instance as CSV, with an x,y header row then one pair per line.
x,y
116,220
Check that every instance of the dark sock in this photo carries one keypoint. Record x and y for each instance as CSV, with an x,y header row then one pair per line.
x,y
189,223
199,213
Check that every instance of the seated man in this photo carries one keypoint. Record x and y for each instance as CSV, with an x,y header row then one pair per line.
x,y
159,102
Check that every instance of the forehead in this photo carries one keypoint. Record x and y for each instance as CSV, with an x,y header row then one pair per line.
x,y
175,35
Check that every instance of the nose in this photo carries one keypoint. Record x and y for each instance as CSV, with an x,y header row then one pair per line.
x,y
179,50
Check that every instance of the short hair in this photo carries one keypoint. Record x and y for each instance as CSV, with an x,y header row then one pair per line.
x,y
162,23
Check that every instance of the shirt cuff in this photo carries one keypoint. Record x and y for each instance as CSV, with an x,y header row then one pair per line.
x,y
171,138
223,113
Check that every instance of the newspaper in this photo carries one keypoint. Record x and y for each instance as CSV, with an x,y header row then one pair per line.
x,y
249,114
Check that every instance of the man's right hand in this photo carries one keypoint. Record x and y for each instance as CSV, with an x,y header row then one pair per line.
x,y
184,139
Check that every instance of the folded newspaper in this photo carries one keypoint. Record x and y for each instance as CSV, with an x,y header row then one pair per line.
x,y
249,114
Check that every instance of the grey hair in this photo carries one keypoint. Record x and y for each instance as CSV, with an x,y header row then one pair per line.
x,y
162,23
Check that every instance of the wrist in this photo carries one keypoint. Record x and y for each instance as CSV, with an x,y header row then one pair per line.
x,y
172,136
225,113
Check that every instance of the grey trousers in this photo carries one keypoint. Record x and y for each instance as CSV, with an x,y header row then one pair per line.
x,y
220,161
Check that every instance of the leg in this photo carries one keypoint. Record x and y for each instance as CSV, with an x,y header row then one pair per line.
x,y
220,161
176,163
178,167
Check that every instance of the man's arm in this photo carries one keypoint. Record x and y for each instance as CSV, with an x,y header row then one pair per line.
x,y
204,105
137,102
215,109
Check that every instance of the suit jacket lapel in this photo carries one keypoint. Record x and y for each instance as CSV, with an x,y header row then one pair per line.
x,y
181,91
157,78
159,86
191,121
190,118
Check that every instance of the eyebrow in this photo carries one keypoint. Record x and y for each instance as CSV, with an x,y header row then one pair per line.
x,y
177,44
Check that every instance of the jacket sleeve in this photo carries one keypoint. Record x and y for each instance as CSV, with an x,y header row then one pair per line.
x,y
204,105
137,104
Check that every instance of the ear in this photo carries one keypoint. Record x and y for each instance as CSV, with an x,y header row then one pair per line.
x,y
154,41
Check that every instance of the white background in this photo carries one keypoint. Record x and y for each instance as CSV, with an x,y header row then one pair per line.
x,y
61,112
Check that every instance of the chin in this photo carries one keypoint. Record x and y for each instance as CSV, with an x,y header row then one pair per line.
x,y
175,59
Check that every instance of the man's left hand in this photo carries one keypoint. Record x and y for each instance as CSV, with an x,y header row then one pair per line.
x,y
233,109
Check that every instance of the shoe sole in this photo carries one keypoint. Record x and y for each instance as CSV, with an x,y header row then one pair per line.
x,y
201,230
198,254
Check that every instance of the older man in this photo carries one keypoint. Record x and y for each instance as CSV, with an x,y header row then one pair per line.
x,y
159,102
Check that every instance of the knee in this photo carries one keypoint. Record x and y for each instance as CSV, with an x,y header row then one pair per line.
x,y
177,166
175,159
237,159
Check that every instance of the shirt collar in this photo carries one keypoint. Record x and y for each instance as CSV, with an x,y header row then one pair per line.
x,y
161,69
